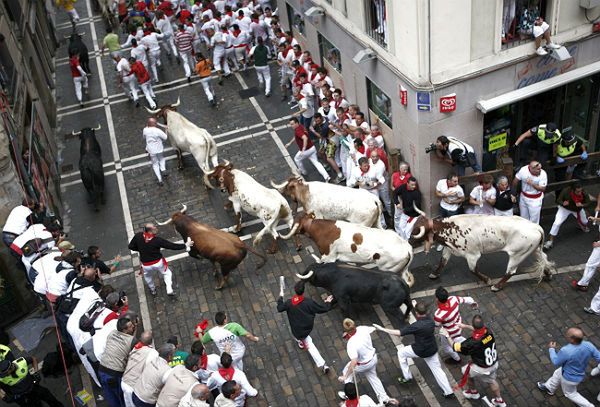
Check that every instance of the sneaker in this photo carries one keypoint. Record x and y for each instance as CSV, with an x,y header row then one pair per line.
x,y
471,394
403,380
595,371
160,183
553,45
439,248
548,245
584,228
449,396
137,103
153,291
589,310
542,387
342,395
189,79
498,402
325,369
327,179
541,51
268,94
578,287
165,173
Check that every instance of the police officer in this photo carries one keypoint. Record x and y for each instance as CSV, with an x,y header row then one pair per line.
x,y
21,387
569,147
546,137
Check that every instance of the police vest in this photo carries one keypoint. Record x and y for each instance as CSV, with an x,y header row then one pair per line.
x,y
541,133
563,151
3,352
19,374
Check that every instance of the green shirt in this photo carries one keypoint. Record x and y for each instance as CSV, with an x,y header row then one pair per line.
x,y
261,55
111,41
232,327
178,358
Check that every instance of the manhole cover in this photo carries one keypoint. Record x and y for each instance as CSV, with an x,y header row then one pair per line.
x,y
248,93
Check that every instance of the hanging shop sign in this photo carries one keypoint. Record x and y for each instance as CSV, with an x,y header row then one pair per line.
x,y
448,103
497,141
403,95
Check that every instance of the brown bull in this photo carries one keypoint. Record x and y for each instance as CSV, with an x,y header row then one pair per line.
x,y
224,250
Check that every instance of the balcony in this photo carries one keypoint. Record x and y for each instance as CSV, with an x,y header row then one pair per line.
x,y
376,26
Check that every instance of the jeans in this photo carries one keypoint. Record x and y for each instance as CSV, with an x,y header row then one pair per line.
x,y
111,388
445,213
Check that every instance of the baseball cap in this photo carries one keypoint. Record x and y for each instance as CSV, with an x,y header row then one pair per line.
x,y
66,245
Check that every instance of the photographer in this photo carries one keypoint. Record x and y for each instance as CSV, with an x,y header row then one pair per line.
x,y
455,152
93,259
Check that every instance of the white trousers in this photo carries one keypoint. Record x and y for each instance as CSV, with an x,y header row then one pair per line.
x,y
508,212
530,208
312,350
188,63
127,394
220,61
311,155
568,388
403,224
592,264
210,94
158,164
241,53
149,93
154,62
447,348
370,372
562,214
377,193
596,303
168,43
433,362
344,162
230,56
264,76
162,267
79,82
130,88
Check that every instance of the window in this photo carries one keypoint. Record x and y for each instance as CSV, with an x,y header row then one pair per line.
x,y
376,21
379,103
8,71
517,20
296,19
330,53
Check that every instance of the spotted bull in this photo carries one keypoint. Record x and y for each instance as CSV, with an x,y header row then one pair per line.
x,y
348,242
90,165
470,236
349,284
224,250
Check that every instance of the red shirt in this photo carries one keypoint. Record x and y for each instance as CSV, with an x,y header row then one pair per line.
x,y
183,15
298,133
167,8
74,63
140,72
398,180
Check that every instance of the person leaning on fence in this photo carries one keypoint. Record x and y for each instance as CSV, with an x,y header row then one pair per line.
x,y
543,139
457,153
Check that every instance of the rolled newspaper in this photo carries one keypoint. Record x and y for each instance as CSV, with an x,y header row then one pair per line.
x,y
595,217
481,197
281,284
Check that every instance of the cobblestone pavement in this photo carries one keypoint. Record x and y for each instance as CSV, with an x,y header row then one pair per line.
x,y
525,316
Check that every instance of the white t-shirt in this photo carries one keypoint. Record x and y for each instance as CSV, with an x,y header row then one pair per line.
x,y
331,116
216,380
442,187
540,180
46,268
36,231
223,337
164,25
305,104
540,29
57,281
124,69
154,139
359,346
18,220
139,53
479,194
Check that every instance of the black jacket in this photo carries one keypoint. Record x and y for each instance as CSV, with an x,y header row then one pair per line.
x,y
424,331
301,316
151,251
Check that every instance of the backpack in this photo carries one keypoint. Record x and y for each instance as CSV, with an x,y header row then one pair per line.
x,y
86,322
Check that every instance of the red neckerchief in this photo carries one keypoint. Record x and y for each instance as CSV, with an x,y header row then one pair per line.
x,y
297,299
298,54
203,361
139,345
576,198
236,32
229,13
337,102
444,305
479,333
227,374
352,403
364,172
148,236
361,149
350,334
240,17
218,18
201,326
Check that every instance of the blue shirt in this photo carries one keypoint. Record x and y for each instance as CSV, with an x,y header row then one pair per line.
x,y
574,359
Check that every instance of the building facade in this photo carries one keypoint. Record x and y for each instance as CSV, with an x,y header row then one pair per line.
x,y
462,68
27,140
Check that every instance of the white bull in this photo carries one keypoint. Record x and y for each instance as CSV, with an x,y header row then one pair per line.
x,y
335,202
246,193
186,136
470,236
349,242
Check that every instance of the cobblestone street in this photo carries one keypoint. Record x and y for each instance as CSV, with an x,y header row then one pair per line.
x,y
250,133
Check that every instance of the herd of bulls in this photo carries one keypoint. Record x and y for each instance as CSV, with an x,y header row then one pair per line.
x,y
342,222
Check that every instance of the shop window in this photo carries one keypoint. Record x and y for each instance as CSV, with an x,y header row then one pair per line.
x,y
517,20
377,21
379,103
330,53
296,19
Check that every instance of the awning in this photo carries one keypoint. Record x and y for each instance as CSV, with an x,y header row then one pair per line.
x,y
537,88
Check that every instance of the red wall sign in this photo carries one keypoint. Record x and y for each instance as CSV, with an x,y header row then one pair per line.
x,y
448,103
403,95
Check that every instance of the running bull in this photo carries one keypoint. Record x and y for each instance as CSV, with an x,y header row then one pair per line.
x,y
247,194
224,250
470,236
336,202
348,242
90,165
349,284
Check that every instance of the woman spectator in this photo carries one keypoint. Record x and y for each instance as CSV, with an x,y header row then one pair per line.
x,y
401,176
483,197
504,198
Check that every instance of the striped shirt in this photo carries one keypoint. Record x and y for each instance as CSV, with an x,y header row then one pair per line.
x,y
183,40
448,315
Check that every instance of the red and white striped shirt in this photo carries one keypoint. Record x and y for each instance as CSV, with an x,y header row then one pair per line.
x,y
448,315
183,40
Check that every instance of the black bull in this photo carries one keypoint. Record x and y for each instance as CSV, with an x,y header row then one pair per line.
x,y
77,47
90,166
350,284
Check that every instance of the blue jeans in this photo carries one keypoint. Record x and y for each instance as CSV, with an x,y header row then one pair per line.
x,y
445,213
305,121
140,403
111,388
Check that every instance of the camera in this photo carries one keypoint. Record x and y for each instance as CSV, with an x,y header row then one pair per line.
x,y
430,148
122,295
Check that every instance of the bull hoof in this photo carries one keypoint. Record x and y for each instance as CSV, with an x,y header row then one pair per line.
x,y
547,277
496,288
433,276
299,247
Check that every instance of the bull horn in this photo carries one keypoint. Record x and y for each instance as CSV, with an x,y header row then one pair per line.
x,y
421,233
292,232
152,111
420,212
206,180
97,128
75,134
184,208
279,186
226,163
176,103
305,277
165,222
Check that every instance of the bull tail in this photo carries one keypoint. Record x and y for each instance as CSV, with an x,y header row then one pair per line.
x,y
262,256
377,224
541,266
407,276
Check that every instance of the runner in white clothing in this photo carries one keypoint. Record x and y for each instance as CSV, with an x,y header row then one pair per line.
x,y
533,181
219,43
154,146
226,373
138,51
150,41
163,24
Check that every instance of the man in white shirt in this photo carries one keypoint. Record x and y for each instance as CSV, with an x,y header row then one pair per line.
x,y
369,177
226,373
154,138
138,51
219,43
31,243
239,50
363,359
197,396
451,194
18,221
125,80
483,197
533,180
163,24
150,41
135,365
284,60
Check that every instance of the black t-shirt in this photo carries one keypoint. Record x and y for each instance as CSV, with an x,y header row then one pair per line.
x,y
503,200
150,251
424,333
408,197
482,351
301,316
96,263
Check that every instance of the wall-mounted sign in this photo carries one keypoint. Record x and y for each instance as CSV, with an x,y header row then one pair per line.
x,y
497,141
403,95
448,103
423,101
